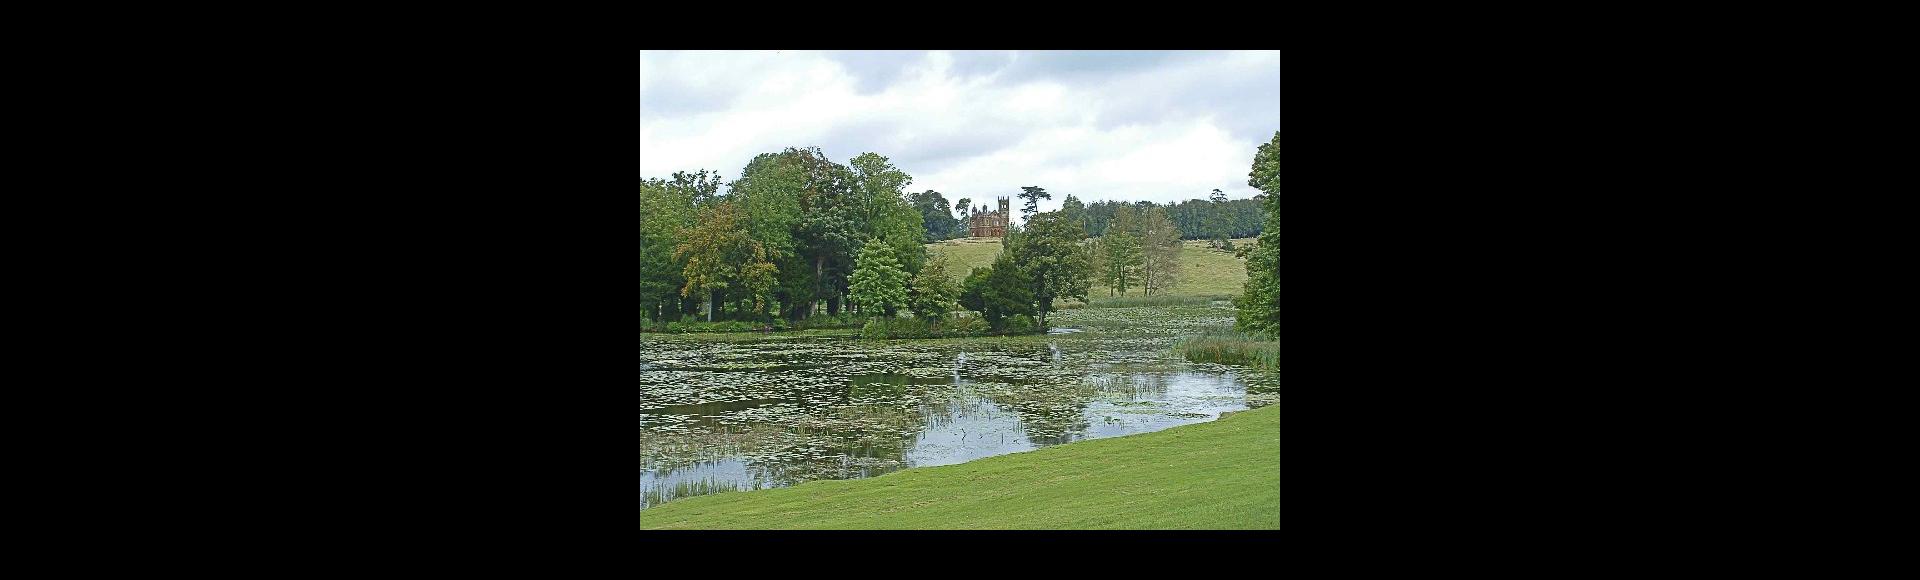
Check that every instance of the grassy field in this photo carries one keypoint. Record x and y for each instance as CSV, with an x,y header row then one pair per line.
x,y
1204,271
1222,474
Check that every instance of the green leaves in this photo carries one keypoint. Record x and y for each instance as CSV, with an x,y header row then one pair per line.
x,y
1048,250
1259,305
933,292
1033,195
878,282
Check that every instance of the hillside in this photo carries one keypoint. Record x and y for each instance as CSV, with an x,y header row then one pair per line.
x,y
1204,271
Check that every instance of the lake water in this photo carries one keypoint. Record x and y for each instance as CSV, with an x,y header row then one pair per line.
x,y
775,411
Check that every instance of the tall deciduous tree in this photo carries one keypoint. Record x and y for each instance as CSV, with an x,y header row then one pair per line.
x,y
1259,305
666,207
1048,248
878,281
723,260
935,215
885,214
1122,261
1160,251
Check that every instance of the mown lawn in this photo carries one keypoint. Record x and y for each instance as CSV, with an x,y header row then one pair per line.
x,y
1222,474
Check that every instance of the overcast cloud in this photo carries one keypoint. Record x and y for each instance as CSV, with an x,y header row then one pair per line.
x,y
1126,125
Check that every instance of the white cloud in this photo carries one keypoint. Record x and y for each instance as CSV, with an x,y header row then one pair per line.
x,y
1165,132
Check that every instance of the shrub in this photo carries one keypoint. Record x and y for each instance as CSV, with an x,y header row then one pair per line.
x,y
1020,324
967,326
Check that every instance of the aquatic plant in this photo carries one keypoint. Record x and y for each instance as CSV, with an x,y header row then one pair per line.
x,y
1228,346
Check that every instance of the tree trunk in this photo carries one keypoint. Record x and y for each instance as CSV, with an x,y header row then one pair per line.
x,y
716,305
833,305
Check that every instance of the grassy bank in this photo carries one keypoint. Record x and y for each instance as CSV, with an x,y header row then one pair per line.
x,y
1223,474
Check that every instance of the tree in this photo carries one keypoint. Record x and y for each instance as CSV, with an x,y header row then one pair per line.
x,y
665,209
998,292
1048,249
885,214
1259,304
722,260
1074,210
966,215
973,290
827,231
935,215
1160,251
1219,224
878,281
1121,258
933,292
1033,195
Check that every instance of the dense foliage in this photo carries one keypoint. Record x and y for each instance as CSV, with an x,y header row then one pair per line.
x,y
932,293
798,235
998,292
1259,305
878,281
1197,219
1049,248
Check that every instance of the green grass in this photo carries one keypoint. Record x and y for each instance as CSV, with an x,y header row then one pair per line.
x,y
965,254
1204,272
1223,474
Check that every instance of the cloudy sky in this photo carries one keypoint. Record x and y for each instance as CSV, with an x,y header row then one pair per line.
x,y
1126,125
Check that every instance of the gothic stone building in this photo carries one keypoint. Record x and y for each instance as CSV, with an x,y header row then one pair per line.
x,y
986,224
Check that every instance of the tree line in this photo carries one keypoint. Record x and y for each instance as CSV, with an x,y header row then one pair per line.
x,y
798,233
1215,218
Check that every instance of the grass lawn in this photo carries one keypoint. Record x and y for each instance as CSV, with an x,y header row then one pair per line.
x,y
1222,474
1203,271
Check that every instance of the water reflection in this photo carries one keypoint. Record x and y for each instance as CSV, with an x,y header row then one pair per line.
x,y
819,409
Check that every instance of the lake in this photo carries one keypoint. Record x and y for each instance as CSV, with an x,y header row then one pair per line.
x,y
737,412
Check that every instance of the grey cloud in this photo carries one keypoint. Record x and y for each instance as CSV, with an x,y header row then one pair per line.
x,y
937,152
875,69
1247,106
1055,64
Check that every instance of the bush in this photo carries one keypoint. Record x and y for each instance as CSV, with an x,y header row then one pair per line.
x,y
875,328
967,326
1020,324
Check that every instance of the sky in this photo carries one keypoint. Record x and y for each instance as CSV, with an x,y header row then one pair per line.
x,y
1164,126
